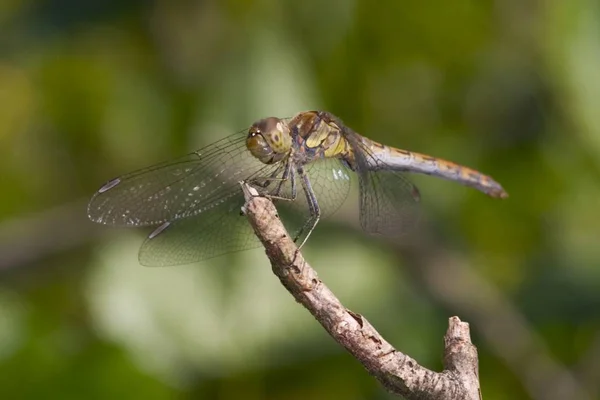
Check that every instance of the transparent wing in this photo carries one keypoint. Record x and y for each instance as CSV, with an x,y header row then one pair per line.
x,y
330,182
179,188
206,235
389,202
387,206
223,229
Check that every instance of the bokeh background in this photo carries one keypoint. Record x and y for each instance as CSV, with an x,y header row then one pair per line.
x,y
93,89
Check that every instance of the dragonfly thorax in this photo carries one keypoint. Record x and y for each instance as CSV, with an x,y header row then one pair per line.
x,y
269,140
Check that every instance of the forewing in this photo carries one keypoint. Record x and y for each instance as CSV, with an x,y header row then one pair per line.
x,y
176,189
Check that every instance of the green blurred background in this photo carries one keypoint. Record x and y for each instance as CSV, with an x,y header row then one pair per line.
x,y
93,89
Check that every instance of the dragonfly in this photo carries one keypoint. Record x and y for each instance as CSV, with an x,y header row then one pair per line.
x,y
305,164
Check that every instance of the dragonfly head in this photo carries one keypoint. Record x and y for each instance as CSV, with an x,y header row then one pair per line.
x,y
269,140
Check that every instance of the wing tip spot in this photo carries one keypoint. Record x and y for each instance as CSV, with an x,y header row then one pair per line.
x,y
159,230
109,185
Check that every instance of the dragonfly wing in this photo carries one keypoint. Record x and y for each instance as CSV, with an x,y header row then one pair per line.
x,y
330,182
389,202
179,188
206,235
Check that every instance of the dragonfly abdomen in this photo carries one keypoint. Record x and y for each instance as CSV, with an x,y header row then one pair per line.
x,y
404,160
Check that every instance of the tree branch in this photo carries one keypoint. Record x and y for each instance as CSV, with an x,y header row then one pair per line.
x,y
397,372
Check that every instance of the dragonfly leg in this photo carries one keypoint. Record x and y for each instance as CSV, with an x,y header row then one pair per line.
x,y
288,174
313,206
264,182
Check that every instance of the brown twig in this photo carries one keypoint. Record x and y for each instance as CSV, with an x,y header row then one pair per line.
x,y
397,372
